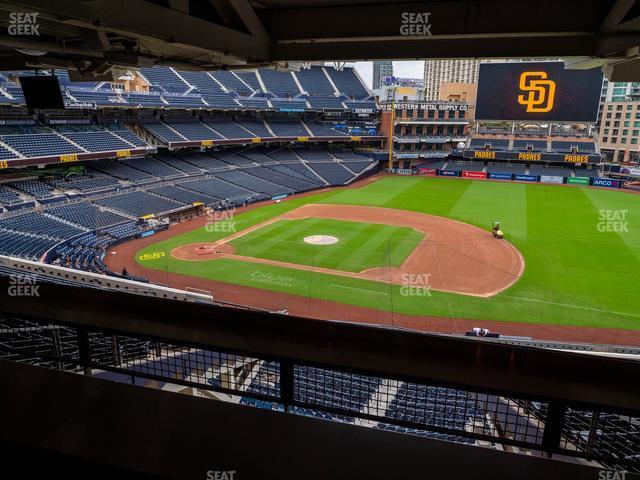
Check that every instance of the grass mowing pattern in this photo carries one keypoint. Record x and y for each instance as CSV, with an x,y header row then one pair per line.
x,y
574,274
360,245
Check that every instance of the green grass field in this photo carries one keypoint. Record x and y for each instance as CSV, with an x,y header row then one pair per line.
x,y
575,274
360,246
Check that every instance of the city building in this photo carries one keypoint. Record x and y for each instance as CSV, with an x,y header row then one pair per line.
x,y
438,71
381,70
620,130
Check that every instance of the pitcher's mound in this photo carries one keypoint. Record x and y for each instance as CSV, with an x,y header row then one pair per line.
x,y
321,239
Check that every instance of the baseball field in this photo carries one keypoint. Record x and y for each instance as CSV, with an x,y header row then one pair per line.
x,y
421,247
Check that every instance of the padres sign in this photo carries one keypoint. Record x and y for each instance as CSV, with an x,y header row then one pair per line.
x,y
540,92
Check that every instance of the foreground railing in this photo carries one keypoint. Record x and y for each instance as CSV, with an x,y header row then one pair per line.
x,y
450,411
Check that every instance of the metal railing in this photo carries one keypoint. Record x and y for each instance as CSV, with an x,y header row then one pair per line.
x,y
453,412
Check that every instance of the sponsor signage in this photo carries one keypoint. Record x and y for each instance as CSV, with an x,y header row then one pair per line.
x,y
206,143
630,171
433,106
256,140
148,233
606,182
472,174
4,164
526,178
427,171
291,109
578,180
123,153
551,179
537,91
531,156
448,173
500,176
71,157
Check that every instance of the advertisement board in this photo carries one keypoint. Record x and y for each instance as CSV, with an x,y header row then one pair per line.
x,y
551,179
531,156
472,174
537,91
606,182
578,180
448,173
500,176
526,178
427,171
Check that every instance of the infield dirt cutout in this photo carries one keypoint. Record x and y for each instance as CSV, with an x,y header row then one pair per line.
x,y
453,256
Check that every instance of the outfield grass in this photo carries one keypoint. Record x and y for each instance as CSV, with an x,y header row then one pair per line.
x,y
360,245
575,273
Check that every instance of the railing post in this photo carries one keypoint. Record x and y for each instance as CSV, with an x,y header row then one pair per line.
x,y
83,349
553,425
286,383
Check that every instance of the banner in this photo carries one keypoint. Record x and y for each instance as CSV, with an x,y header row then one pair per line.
x,y
531,156
630,171
606,182
578,180
551,179
500,176
472,174
526,178
448,173
537,91
427,171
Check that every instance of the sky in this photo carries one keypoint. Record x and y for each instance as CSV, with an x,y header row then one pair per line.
x,y
412,69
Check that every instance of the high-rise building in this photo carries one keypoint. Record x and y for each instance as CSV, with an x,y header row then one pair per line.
x,y
438,71
381,70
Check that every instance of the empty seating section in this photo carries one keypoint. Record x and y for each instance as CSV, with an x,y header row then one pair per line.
x,y
298,171
99,97
491,143
183,195
254,103
228,128
279,83
279,178
434,406
333,173
232,82
178,164
329,388
9,196
356,166
434,164
314,81
153,167
250,78
322,130
569,146
194,130
151,99
218,188
313,154
129,136
549,170
40,224
255,184
87,215
165,78
101,141
40,144
86,183
232,158
184,101
587,172
35,188
297,105
361,105
348,83
325,102
536,145
518,168
21,245
123,172
461,165
6,154
256,127
288,129
163,131
139,203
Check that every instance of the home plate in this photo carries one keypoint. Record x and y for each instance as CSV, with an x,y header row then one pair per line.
x,y
321,239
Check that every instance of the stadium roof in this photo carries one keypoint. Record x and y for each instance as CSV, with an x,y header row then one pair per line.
x,y
93,36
